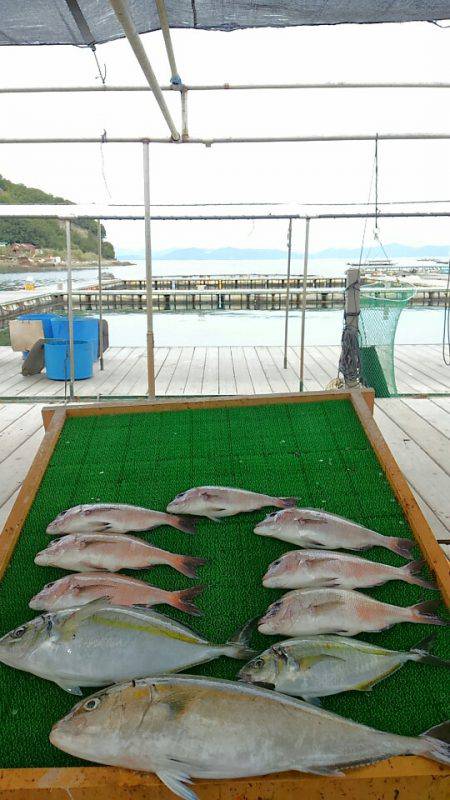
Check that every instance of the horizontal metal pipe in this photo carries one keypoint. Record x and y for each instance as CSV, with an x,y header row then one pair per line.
x,y
358,137
228,87
105,215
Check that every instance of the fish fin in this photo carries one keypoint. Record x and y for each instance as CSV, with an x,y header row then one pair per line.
x,y
238,646
316,770
313,701
68,687
285,502
176,782
69,627
421,612
187,565
422,650
184,524
263,684
403,547
183,600
410,572
308,661
438,739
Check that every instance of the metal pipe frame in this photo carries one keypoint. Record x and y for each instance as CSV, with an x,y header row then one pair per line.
x,y
303,317
363,137
100,295
218,217
70,310
151,389
121,10
228,87
162,13
288,294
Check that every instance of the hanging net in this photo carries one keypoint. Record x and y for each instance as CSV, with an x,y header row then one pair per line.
x,y
379,316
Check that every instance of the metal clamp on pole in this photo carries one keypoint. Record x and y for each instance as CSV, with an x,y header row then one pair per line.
x,y
302,334
70,310
148,275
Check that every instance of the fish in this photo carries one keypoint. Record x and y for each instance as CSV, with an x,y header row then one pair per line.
x,y
304,569
83,587
84,552
99,644
187,726
115,518
216,502
311,527
304,612
319,666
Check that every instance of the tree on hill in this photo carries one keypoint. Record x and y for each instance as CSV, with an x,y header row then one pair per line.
x,y
47,233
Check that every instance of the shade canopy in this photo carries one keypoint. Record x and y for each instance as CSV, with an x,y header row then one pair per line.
x,y
88,22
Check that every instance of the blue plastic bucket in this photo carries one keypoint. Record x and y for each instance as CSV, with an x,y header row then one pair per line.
x,y
46,320
57,363
85,329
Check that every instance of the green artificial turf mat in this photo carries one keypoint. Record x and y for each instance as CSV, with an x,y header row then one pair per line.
x,y
317,452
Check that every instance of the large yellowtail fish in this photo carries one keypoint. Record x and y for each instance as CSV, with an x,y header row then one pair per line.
x,y
115,518
310,527
84,552
305,612
121,590
216,502
317,666
304,569
99,644
183,727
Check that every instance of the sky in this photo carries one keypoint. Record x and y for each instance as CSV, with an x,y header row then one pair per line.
x,y
292,173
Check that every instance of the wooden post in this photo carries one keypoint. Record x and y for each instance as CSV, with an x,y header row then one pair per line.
x,y
352,308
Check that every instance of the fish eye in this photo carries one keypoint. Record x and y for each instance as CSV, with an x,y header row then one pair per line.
x,y
49,585
258,663
18,633
272,515
276,563
92,703
178,496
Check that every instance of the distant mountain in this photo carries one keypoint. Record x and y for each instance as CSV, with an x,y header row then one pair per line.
x,y
393,250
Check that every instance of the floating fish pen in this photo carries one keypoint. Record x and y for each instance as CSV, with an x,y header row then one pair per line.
x,y
325,449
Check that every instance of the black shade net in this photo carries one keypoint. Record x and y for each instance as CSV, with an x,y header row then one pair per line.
x,y
89,22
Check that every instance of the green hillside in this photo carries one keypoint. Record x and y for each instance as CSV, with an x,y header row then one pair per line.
x,y
47,233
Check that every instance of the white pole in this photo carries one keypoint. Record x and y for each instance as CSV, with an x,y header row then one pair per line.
x,y
227,87
184,114
70,311
356,137
302,335
161,6
148,276
123,15
288,294
100,295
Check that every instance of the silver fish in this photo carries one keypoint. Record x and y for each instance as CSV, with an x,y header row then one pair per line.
x,y
220,501
318,666
98,644
186,726
310,527
115,518
304,569
305,612
84,552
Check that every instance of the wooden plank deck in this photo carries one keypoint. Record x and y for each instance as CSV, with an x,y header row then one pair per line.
x,y
417,431
220,370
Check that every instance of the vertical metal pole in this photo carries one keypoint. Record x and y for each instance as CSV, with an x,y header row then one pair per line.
x,y
288,294
302,335
70,310
184,113
148,275
100,296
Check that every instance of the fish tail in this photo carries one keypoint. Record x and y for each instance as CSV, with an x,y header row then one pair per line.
x,y
187,565
285,502
422,612
239,644
409,572
438,741
183,600
403,547
183,524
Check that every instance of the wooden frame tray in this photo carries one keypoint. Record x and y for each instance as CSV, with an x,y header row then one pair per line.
x,y
406,777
